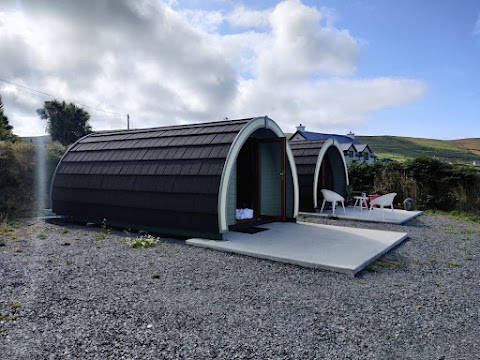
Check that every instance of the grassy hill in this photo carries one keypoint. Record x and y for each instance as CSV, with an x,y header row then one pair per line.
x,y
402,148
472,145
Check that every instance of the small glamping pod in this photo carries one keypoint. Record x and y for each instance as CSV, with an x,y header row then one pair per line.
x,y
191,180
320,165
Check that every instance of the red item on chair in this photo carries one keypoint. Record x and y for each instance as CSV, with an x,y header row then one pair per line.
x,y
373,197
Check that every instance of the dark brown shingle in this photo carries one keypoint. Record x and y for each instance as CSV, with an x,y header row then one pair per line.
x,y
163,177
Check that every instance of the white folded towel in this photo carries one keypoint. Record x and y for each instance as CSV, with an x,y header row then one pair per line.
x,y
242,214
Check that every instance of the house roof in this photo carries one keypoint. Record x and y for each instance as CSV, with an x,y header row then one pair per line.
x,y
346,146
357,147
309,135
361,147
364,148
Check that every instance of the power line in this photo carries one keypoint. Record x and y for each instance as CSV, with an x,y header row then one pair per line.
x,y
58,97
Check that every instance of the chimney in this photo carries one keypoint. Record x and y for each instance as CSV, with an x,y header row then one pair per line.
x,y
351,135
301,127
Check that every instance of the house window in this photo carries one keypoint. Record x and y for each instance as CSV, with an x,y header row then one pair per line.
x,y
366,156
350,154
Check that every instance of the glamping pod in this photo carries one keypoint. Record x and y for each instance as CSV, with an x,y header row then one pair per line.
x,y
190,180
320,165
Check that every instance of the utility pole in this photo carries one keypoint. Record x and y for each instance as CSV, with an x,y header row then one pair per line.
x,y
128,121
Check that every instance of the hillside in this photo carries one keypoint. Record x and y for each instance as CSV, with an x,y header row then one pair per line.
x,y
472,145
401,148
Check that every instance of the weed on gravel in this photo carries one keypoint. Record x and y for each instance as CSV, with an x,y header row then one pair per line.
x,y
144,241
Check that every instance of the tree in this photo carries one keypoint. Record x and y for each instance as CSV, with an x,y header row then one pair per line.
x,y
5,128
66,123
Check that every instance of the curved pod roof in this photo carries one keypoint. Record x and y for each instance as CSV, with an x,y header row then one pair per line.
x,y
320,164
172,179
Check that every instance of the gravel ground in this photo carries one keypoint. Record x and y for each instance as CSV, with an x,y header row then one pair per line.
x,y
67,295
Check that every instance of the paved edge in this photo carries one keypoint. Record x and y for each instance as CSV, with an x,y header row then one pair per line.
x,y
217,245
213,246
370,220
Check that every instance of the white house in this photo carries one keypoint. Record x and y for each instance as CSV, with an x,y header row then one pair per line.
x,y
353,150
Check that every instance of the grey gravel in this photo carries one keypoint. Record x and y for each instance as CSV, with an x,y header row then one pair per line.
x,y
81,298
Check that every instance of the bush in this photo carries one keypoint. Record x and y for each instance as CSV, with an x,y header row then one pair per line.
x,y
433,185
362,176
17,176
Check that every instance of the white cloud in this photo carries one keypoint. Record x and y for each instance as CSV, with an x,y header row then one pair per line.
x,y
143,59
476,27
300,47
207,21
244,17
327,103
165,67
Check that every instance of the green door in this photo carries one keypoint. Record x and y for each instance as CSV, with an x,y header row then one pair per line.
x,y
272,178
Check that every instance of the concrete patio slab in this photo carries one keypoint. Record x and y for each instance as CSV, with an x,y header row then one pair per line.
x,y
376,215
341,249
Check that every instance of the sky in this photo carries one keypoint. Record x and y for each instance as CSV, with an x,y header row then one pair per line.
x,y
373,67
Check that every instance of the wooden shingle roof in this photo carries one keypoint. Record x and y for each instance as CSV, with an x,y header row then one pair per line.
x,y
306,155
310,153
155,177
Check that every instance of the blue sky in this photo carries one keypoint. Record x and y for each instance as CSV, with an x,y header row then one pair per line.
x,y
380,67
434,41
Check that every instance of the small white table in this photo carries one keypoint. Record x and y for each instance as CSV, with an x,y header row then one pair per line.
x,y
361,202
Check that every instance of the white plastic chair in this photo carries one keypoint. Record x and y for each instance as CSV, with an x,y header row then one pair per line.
x,y
382,201
333,197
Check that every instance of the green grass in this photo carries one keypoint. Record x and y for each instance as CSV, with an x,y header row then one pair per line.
x,y
460,215
9,317
403,148
384,263
465,216
16,305
472,144
6,228
389,264
454,264
101,236
41,236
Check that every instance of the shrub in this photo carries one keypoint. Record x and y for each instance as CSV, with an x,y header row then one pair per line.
x,y
433,185
17,178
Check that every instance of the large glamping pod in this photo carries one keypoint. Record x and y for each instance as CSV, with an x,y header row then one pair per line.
x,y
320,165
189,180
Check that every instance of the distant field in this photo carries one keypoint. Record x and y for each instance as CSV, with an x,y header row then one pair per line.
x,y
402,148
472,145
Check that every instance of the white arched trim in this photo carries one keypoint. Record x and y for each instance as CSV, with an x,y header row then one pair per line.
x,y
231,160
293,169
323,151
60,163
